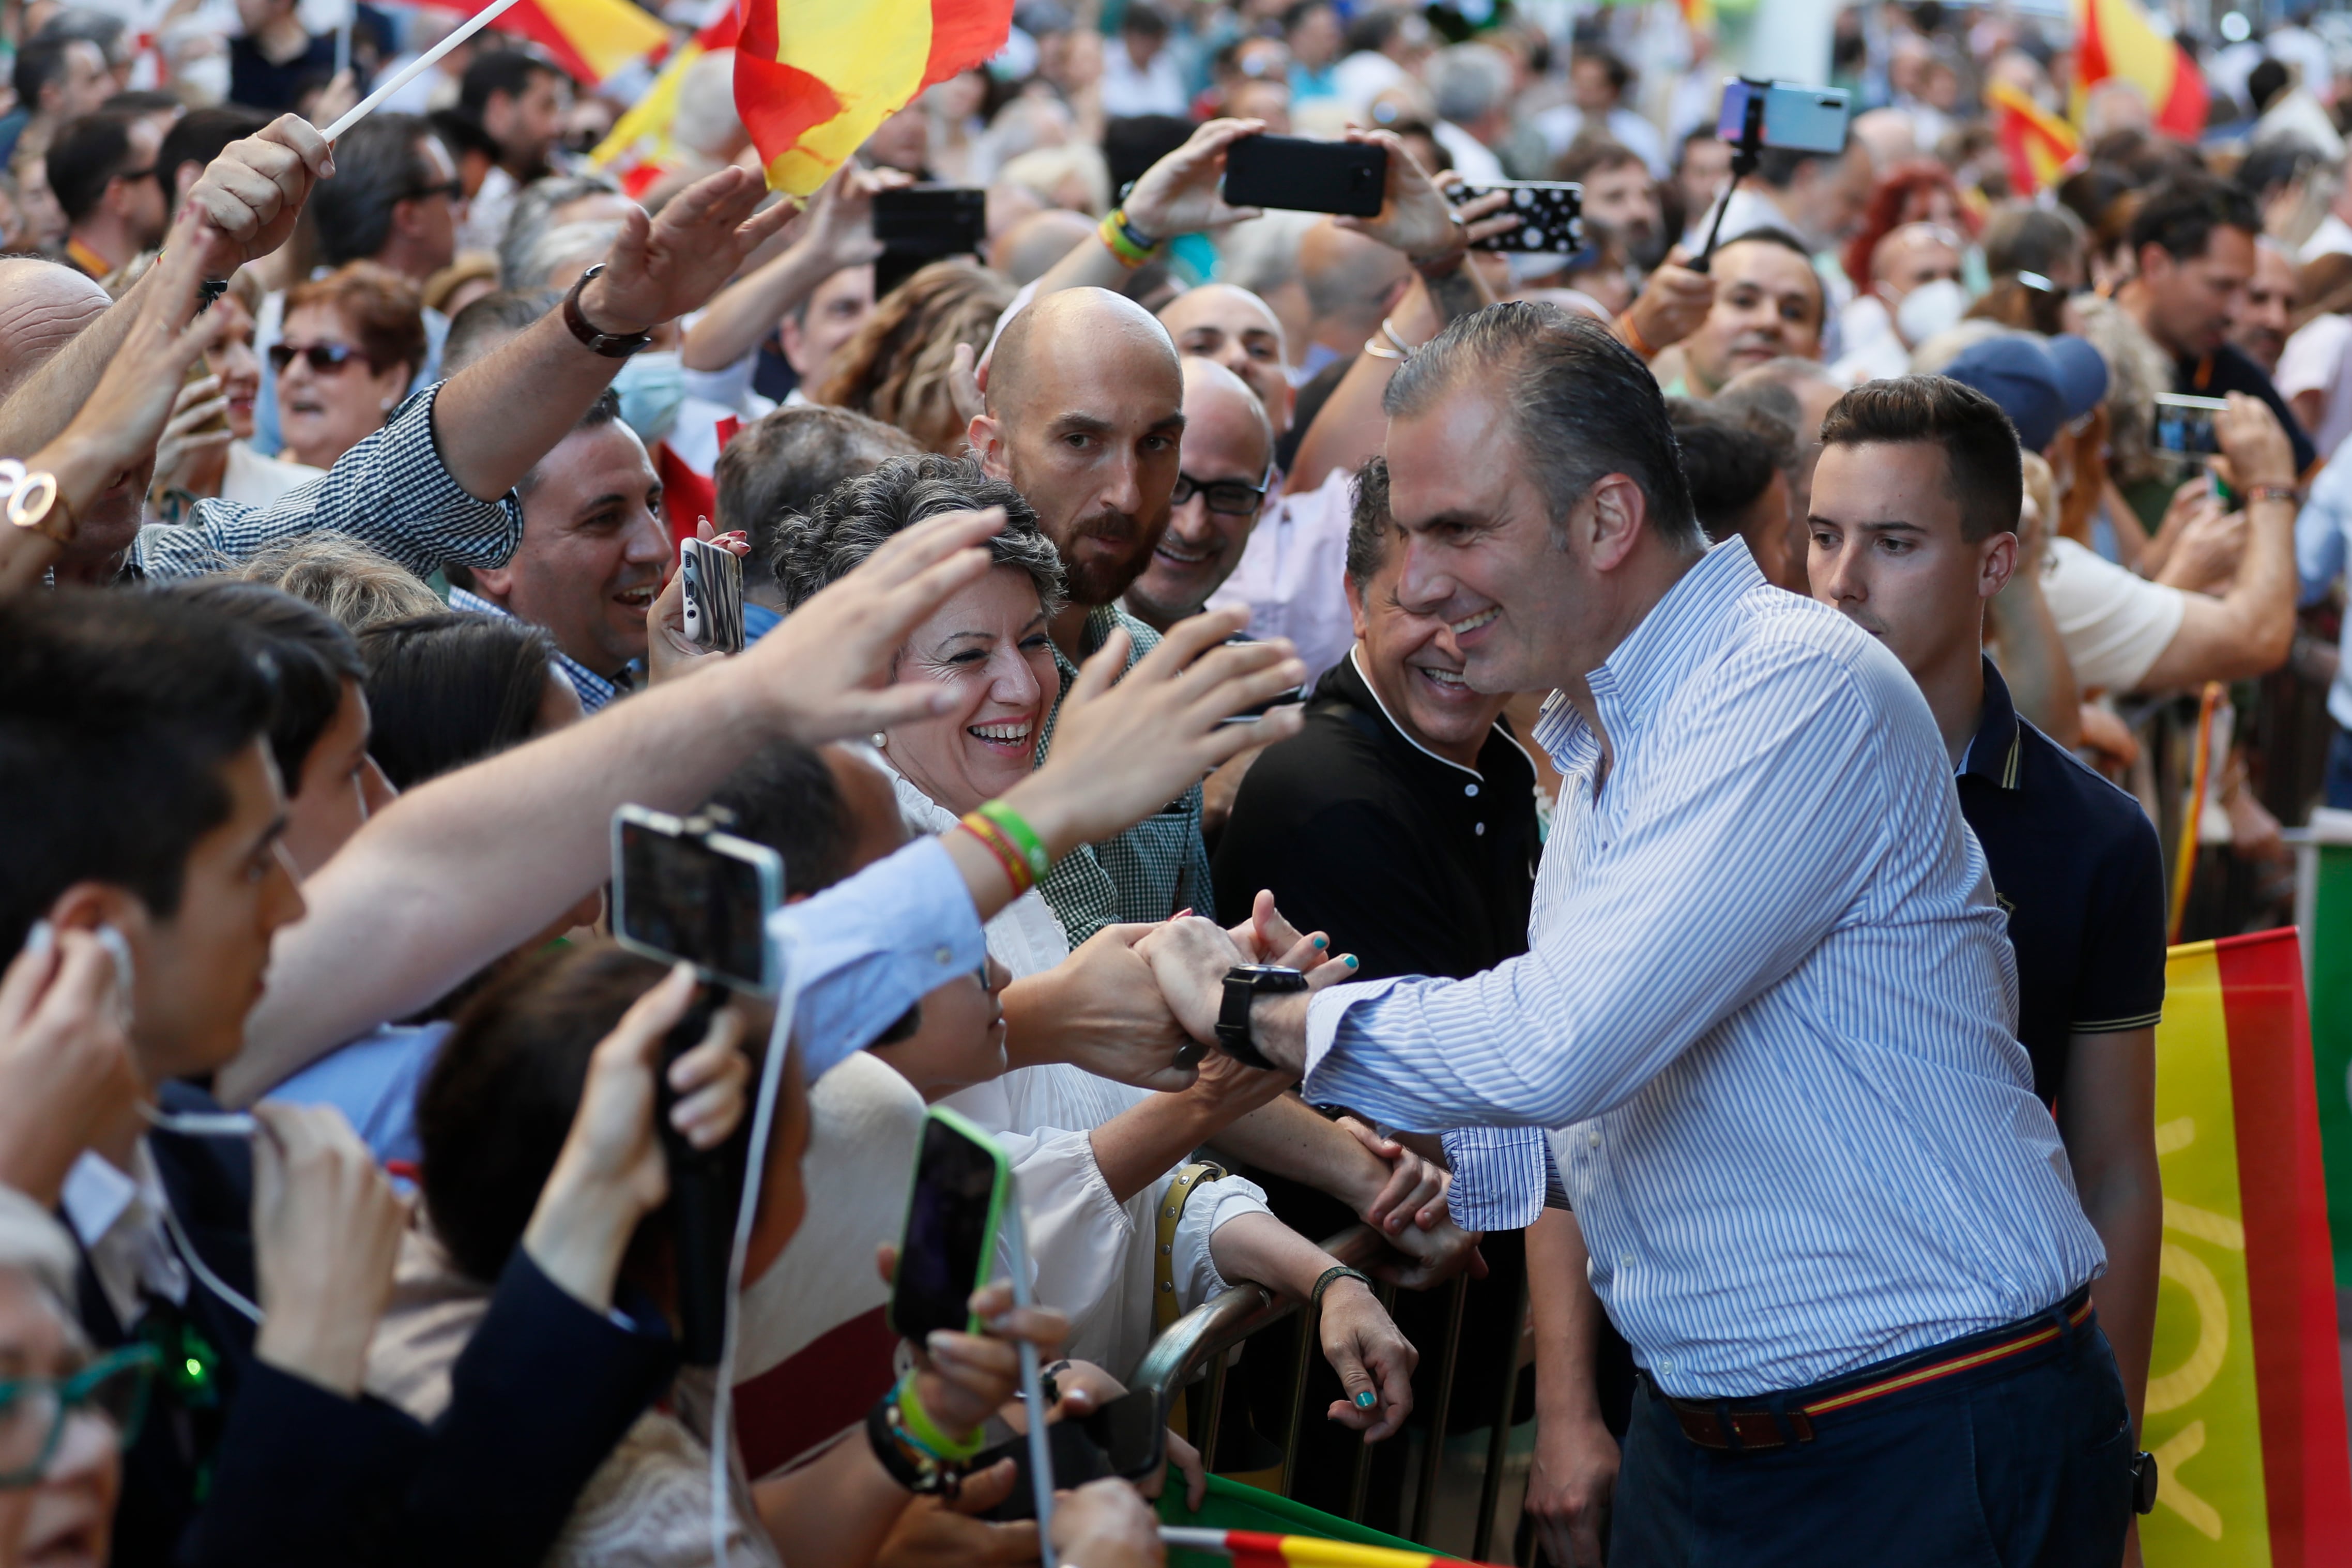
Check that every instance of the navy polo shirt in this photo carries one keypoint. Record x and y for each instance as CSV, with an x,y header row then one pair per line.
x,y
2076,866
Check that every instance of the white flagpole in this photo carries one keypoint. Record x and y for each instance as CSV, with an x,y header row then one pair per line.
x,y
366,105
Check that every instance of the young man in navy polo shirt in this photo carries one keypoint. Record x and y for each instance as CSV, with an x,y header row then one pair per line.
x,y
1914,527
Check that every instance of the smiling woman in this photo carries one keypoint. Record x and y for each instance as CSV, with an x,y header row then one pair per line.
x,y
352,343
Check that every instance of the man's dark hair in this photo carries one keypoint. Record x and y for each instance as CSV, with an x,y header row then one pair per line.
x,y
40,62
140,101
506,72
1726,465
857,517
1621,74
1982,469
1369,524
449,689
2266,83
200,136
117,713
377,167
786,798
2181,215
1297,11
462,135
1583,404
88,154
2271,164
1145,21
1590,155
1780,166
482,325
781,463
312,654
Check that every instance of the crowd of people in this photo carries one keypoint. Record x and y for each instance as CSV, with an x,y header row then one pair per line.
x,y
1645,774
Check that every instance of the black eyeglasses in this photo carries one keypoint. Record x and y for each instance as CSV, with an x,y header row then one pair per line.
x,y
1232,497
455,190
325,359
133,176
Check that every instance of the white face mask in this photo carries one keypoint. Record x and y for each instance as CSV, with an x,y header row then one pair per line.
x,y
205,77
1933,307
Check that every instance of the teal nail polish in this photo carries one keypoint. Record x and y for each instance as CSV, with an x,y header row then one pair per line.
x,y
1321,943
1351,962
1364,1400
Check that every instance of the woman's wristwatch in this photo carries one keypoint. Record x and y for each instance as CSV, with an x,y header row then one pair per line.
x,y
1245,983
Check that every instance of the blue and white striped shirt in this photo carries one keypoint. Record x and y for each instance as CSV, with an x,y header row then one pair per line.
x,y
1770,1005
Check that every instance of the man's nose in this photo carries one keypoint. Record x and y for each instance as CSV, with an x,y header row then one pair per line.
x,y
648,540
1190,522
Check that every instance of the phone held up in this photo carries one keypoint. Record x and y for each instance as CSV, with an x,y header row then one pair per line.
x,y
711,588
954,1209
1300,175
923,223
1760,117
1550,215
684,890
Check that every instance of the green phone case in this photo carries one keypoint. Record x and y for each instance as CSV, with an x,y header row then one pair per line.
x,y
1000,1191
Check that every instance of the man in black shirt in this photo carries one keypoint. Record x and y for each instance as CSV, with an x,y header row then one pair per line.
x,y
1915,511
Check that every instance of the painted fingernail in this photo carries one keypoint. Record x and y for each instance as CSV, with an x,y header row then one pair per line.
x,y
1350,959
1321,943
1364,1400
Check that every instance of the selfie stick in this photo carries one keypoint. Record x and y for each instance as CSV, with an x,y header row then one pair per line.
x,y
1744,159
408,73
764,1122
1033,1385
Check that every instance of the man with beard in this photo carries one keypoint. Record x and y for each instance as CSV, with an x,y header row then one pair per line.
x,y
1618,191
592,556
1768,303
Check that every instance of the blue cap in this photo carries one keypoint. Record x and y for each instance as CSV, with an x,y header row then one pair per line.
x,y
2042,389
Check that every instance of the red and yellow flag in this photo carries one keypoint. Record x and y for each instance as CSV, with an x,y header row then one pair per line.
x,y
813,79
2116,38
2037,144
1259,1549
2245,1401
638,149
591,39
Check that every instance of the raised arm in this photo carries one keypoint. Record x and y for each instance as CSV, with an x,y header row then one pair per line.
x,y
2247,631
839,233
1177,195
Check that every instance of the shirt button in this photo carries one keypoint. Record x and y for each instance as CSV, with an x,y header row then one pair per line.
x,y
942,956
1470,789
1593,1138
1665,1366
1626,1261
1480,829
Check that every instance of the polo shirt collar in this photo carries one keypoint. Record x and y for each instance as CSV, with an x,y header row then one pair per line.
x,y
1347,689
1629,684
1997,750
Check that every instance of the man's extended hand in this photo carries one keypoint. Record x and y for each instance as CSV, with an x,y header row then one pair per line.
x,y
1415,216
1181,194
252,194
326,1235
1106,1013
1190,958
1568,1488
662,268
1673,304
841,214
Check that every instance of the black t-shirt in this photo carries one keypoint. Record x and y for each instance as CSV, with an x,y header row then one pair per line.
x,y
2075,866
257,82
2227,370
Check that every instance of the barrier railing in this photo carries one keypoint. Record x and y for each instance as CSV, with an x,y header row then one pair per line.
x,y
1204,1338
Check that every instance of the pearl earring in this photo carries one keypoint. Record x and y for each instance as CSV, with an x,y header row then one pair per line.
x,y
880,740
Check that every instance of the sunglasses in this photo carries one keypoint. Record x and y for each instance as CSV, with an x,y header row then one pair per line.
x,y
325,359
1232,497
455,190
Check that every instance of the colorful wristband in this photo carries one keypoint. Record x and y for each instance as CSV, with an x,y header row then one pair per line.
x,y
1131,248
1024,838
915,1423
991,837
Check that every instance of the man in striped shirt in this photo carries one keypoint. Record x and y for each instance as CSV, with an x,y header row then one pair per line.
x,y
1768,1011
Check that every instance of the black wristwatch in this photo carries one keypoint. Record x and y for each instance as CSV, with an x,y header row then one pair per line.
x,y
1245,983
613,346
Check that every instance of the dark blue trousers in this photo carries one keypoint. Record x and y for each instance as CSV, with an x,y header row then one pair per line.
x,y
2023,1463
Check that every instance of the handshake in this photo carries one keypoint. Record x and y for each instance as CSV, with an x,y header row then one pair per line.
x,y
1191,959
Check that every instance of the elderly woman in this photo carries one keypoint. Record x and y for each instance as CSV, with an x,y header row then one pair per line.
x,y
207,452
352,342
1098,1166
63,1415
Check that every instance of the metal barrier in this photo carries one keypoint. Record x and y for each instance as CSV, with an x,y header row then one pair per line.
x,y
1204,1337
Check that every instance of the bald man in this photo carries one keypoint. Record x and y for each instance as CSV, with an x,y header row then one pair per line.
x,y
43,306
1240,331
1226,469
1915,293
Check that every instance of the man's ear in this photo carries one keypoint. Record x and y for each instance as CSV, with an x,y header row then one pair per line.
x,y
1355,601
1619,510
1996,559
86,906
2154,260
989,445
494,582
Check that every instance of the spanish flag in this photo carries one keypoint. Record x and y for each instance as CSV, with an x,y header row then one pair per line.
x,y
591,39
638,149
2116,38
2037,144
2245,1399
813,79
1258,1549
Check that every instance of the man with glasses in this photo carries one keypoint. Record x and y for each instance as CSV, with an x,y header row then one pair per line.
x,y
1224,469
103,169
394,201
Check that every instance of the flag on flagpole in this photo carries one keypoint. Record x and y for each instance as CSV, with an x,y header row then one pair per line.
x,y
2037,144
2245,1399
813,79
591,39
2116,38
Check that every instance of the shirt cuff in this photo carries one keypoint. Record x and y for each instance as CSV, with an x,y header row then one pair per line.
x,y
1325,1010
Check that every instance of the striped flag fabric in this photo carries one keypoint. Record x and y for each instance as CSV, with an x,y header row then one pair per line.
x,y
2323,885
591,39
813,79
2245,1399
1258,1549
2115,39
638,149
2036,142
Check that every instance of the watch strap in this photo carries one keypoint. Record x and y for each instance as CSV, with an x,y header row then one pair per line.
x,y
613,346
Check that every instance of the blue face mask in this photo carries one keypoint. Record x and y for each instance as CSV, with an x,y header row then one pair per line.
x,y
651,385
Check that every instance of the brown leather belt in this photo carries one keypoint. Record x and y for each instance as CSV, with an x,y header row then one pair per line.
x,y
1747,1427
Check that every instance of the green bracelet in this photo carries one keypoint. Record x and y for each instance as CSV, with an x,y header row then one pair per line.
x,y
1024,837
917,1424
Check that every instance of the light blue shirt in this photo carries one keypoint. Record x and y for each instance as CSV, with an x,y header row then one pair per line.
x,y
2319,556
1770,1005
373,1083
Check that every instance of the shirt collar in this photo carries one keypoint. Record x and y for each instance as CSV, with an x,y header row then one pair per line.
x,y
1356,665
1650,663
1997,748
595,691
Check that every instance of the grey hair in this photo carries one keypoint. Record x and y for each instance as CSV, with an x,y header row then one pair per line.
x,y
1582,405
857,517
534,208
1467,79
559,247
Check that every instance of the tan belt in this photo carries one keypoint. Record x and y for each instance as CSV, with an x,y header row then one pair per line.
x,y
1164,1292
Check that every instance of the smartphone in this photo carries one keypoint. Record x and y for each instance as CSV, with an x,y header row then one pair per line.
x,y
711,581
2184,424
686,890
931,221
1300,174
219,420
1551,212
954,1209
1127,1438
1792,118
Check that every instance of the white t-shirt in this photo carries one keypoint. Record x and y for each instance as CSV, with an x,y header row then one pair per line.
x,y
1292,574
2319,358
2332,237
2113,623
